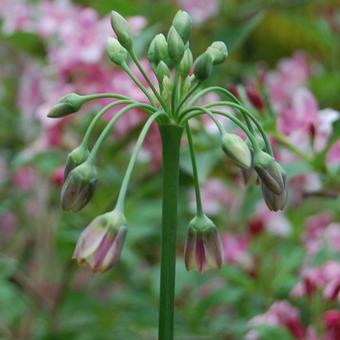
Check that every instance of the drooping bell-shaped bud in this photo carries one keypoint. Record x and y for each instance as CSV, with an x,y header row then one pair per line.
x,y
203,66
79,187
183,25
186,63
275,202
122,30
218,51
237,150
116,52
75,157
203,249
270,172
162,71
100,244
175,45
67,105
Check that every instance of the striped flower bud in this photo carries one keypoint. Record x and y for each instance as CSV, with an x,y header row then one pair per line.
x,y
203,66
183,25
218,51
186,63
101,242
122,30
175,45
116,52
75,157
67,105
275,202
79,187
237,150
203,248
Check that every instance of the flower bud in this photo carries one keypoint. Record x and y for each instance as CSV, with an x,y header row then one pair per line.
x,y
183,25
122,30
275,202
188,83
116,52
75,157
237,150
158,50
203,66
100,244
167,87
270,172
66,105
186,63
175,45
79,187
162,71
203,249
218,51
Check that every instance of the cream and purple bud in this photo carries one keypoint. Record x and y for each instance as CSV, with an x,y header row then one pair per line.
x,y
203,249
116,52
175,45
67,105
203,66
100,244
186,63
218,51
183,25
237,150
275,202
79,187
76,157
270,172
122,30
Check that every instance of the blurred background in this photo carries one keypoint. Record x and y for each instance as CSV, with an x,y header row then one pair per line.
x,y
281,277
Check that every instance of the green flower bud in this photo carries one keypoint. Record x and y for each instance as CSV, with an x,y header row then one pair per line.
x,y
275,202
79,187
158,50
122,30
237,150
66,105
183,25
116,52
186,63
76,157
188,83
203,66
167,87
162,71
270,172
175,45
218,51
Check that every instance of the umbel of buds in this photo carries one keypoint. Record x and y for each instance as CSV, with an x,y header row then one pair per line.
x,y
203,248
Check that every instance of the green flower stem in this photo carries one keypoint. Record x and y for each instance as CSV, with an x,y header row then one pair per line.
x,y
188,94
109,126
127,69
251,116
140,68
199,208
106,95
139,143
171,138
228,94
89,130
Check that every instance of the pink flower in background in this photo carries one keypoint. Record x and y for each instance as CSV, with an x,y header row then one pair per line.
x,y
333,155
201,10
24,178
331,321
280,314
8,224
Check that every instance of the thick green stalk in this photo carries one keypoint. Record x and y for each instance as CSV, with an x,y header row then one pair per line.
x,y
171,137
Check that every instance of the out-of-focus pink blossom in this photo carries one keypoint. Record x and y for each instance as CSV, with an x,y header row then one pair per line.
x,y
280,314
333,155
331,320
200,10
57,176
8,223
24,178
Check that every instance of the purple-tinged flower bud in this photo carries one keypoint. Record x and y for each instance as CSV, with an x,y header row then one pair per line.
x,y
116,52
203,249
270,172
183,25
186,63
218,51
66,105
162,71
275,202
122,30
203,66
237,150
100,244
175,45
75,157
79,187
